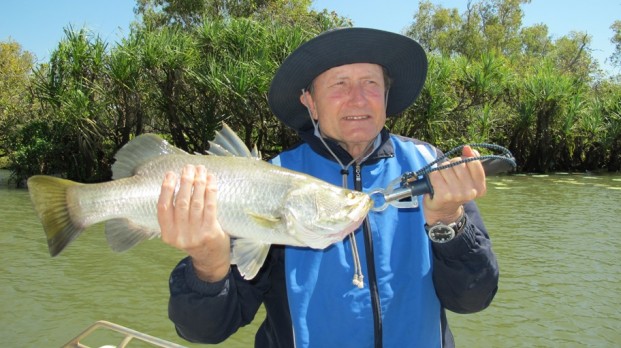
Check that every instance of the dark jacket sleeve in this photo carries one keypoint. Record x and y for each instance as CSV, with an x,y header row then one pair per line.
x,y
211,312
465,271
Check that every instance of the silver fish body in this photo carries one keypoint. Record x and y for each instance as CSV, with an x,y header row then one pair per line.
x,y
259,204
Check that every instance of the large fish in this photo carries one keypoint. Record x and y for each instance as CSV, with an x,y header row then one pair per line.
x,y
259,204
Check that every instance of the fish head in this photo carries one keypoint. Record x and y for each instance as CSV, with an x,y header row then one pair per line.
x,y
320,215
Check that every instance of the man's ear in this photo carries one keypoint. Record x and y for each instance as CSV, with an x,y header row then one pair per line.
x,y
306,98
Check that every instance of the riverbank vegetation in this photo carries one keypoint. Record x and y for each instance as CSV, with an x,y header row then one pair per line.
x,y
184,67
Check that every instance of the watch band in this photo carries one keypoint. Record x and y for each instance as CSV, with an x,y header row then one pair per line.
x,y
442,233
459,225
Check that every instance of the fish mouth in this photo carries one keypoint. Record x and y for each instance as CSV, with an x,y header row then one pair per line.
x,y
361,210
356,216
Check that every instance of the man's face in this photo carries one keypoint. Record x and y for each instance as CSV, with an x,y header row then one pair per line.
x,y
348,101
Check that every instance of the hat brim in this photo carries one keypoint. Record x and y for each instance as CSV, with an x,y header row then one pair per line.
x,y
403,57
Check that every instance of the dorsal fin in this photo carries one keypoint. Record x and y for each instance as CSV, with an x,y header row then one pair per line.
x,y
141,149
227,143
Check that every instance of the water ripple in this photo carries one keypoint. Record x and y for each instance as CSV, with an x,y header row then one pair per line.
x,y
556,236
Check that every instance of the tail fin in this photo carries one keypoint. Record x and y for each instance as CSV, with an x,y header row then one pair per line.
x,y
49,197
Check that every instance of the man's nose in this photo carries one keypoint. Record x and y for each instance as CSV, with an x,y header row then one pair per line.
x,y
357,94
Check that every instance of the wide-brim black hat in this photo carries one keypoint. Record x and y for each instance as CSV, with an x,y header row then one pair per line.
x,y
403,57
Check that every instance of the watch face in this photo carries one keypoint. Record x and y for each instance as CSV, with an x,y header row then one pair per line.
x,y
441,233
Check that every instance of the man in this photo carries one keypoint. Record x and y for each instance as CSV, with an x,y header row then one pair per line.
x,y
336,91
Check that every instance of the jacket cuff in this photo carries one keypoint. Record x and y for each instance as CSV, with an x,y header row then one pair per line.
x,y
200,286
462,244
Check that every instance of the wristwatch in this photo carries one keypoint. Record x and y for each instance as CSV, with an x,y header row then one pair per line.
x,y
442,233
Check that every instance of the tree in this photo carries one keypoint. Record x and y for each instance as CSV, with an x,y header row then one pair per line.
x,y
214,60
605,119
223,65
572,55
189,65
484,26
126,90
15,105
616,40
192,13
15,68
491,79
436,28
535,41
74,120
167,55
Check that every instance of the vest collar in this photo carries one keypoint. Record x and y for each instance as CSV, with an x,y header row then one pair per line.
x,y
384,150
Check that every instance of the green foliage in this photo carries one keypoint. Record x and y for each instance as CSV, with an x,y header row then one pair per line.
x,y
73,103
462,98
189,65
541,100
606,108
48,146
190,14
240,57
15,102
125,90
30,152
428,118
513,85
489,25
616,40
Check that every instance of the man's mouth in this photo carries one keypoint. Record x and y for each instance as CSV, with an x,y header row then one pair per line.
x,y
356,118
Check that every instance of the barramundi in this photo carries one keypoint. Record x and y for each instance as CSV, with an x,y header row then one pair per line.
x,y
259,203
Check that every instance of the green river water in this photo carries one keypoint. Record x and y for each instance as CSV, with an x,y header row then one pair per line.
x,y
557,237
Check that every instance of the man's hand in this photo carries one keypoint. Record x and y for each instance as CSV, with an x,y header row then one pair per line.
x,y
453,187
188,221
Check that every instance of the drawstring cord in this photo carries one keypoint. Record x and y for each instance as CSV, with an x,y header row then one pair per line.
x,y
358,279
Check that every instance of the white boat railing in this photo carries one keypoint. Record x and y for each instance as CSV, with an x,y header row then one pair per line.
x,y
128,334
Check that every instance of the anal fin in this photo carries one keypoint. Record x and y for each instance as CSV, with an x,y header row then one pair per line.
x,y
122,234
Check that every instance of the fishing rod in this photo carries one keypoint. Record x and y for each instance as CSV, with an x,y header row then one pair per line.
x,y
413,184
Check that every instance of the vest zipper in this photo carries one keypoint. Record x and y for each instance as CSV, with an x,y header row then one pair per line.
x,y
368,246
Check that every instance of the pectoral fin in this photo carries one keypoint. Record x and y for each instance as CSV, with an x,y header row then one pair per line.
x,y
249,256
266,221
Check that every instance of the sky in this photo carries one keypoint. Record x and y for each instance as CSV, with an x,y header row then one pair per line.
x,y
37,25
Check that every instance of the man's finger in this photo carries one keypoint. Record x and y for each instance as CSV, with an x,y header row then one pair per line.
x,y
165,209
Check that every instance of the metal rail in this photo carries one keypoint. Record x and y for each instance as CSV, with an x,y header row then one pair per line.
x,y
129,335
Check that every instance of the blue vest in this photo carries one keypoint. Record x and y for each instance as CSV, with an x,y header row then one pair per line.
x,y
327,310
